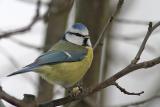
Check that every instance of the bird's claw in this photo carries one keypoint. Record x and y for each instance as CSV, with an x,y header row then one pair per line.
x,y
76,91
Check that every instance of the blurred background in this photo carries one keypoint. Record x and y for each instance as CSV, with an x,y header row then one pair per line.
x,y
118,47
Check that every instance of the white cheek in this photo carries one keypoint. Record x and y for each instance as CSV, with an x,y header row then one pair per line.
x,y
89,43
74,39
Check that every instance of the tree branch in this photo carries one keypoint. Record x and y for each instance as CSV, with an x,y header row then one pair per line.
x,y
125,91
26,44
26,28
27,101
107,25
149,32
12,100
128,21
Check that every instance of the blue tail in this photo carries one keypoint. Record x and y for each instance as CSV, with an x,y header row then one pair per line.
x,y
26,69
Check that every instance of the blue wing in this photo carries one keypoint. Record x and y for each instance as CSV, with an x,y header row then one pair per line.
x,y
53,57
61,56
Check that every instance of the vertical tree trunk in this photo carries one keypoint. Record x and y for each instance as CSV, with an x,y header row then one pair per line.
x,y
92,14
107,54
105,62
56,20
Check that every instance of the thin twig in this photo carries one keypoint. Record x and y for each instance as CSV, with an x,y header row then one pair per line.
x,y
107,25
125,91
149,32
30,46
136,59
129,21
26,28
132,37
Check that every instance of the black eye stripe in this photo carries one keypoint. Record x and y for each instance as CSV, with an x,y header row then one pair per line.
x,y
85,42
77,34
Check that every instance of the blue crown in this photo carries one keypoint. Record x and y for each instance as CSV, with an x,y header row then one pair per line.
x,y
79,26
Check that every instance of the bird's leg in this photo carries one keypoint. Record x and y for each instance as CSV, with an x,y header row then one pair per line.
x,y
76,89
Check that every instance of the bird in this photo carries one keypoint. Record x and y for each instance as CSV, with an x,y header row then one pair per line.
x,y
67,61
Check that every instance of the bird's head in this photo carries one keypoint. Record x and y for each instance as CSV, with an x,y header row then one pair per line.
x,y
78,34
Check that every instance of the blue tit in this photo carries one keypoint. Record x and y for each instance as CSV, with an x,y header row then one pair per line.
x,y
67,61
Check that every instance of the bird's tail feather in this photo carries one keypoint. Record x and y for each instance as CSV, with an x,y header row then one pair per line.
x,y
26,69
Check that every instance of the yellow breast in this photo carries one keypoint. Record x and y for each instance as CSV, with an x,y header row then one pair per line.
x,y
68,73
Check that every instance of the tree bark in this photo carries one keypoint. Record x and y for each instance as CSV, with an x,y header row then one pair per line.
x,y
56,19
92,14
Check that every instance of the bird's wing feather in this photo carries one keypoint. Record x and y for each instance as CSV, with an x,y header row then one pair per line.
x,y
53,57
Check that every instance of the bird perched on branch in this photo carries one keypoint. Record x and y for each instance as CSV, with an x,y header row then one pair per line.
x,y
67,61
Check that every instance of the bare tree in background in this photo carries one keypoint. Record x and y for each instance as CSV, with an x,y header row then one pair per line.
x,y
56,19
